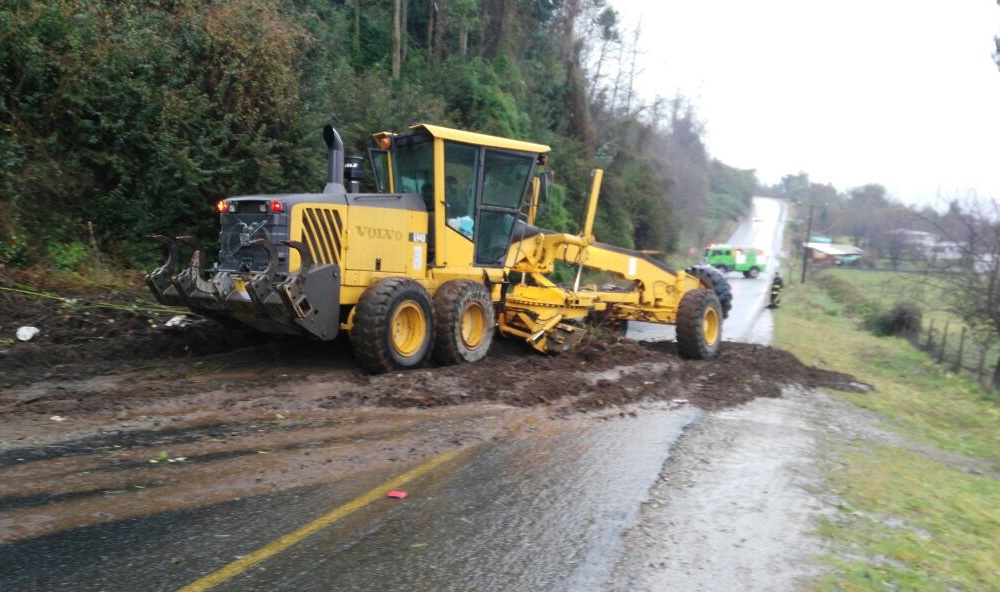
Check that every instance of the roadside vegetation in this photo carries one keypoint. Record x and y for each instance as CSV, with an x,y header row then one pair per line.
x,y
916,512
118,121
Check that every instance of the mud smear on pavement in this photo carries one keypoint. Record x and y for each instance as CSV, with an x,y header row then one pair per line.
x,y
91,358
103,391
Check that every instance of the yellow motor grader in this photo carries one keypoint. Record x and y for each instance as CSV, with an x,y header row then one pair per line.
x,y
443,254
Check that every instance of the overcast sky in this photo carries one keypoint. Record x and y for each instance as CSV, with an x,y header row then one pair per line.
x,y
898,92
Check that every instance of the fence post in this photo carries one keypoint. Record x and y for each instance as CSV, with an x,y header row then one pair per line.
x,y
995,380
982,366
957,367
930,338
944,342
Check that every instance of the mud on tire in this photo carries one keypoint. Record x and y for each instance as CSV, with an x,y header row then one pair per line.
x,y
392,326
715,281
464,321
699,325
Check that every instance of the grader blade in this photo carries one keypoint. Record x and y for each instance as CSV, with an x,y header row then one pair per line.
x,y
563,338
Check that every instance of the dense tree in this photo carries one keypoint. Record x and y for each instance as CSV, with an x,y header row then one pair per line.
x,y
137,118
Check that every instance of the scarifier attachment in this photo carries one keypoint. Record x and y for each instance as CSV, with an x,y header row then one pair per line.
x,y
304,302
160,280
201,295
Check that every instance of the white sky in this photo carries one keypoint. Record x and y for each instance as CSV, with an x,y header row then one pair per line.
x,y
898,92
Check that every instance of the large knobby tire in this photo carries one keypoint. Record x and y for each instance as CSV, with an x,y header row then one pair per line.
x,y
699,325
464,321
713,280
392,326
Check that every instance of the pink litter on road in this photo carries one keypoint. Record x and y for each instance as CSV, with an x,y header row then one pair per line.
x,y
396,494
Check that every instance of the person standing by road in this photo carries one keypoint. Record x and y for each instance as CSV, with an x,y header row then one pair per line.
x,y
776,286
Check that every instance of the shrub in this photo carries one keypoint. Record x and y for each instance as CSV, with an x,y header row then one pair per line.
x,y
67,255
903,320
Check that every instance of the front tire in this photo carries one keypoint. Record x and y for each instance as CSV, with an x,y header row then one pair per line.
x,y
464,321
392,326
699,325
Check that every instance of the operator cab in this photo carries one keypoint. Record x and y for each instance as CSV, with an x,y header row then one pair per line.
x,y
473,186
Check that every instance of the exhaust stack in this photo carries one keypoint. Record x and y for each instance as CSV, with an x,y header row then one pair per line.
x,y
335,178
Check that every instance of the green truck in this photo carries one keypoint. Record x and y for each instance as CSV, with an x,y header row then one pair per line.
x,y
748,261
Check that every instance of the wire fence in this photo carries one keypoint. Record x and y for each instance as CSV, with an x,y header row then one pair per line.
x,y
955,349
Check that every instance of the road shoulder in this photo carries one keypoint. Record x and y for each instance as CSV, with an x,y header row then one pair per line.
x,y
737,503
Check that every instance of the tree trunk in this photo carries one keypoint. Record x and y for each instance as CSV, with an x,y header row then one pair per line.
x,y
403,24
431,15
463,41
570,12
396,8
632,72
439,29
357,25
499,27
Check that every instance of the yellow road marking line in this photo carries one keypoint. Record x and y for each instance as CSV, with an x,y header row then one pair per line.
x,y
284,542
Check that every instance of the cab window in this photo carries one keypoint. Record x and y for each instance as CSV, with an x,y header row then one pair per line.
x,y
506,177
461,175
413,167
380,167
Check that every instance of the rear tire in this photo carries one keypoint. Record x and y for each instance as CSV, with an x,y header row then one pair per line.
x,y
699,325
754,272
713,280
392,326
464,321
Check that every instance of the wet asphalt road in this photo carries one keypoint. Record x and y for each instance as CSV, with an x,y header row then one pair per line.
x,y
539,511
543,512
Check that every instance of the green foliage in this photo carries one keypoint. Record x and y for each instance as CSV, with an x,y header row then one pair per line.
x,y
68,255
138,117
553,213
845,293
724,206
732,191
480,100
141,117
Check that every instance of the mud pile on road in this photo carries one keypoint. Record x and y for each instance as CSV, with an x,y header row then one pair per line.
x,y
106,353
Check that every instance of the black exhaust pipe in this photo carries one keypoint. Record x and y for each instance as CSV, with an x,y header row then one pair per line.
x,y
335,178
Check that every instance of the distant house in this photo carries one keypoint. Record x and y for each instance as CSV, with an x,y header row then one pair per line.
x,y
946,251
838,254
927,245
917,238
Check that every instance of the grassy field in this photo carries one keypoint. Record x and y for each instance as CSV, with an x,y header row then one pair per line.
x,y
869,291
907,520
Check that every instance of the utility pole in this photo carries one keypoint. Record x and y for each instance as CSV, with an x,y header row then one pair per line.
x,y
805,249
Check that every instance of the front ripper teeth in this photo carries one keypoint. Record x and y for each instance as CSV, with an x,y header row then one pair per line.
x,y
306,301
